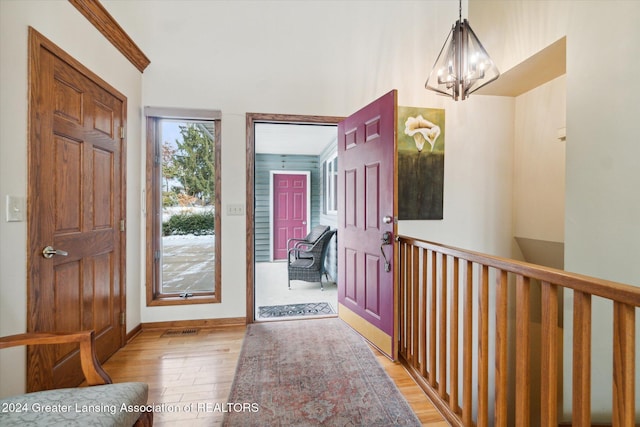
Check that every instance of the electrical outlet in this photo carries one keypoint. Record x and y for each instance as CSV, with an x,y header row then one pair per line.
x,y
235,210
15,209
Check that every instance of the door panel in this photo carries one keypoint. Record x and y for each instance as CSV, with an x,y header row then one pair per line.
x,y
367,187
68,184
372,192
75,199
103,166
289,211
350,193
372,289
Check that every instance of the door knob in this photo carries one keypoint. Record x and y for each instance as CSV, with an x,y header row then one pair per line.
x,y
388,219
49,252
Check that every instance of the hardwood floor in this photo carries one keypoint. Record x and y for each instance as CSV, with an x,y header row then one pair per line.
x,y
420,403
189,374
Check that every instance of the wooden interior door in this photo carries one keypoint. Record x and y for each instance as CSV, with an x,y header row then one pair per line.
x,y
367,208
76,204
289,211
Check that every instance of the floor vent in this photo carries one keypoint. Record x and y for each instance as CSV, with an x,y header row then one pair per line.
x,y
179,332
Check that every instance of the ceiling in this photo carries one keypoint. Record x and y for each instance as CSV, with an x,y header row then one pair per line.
x,y
293,138
312,139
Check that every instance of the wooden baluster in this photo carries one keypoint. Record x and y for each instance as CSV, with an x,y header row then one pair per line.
x,y
402,275
407,300
453,353
433,316
415,309
442,356
523,358
502,373
581,359
623,364
412,312
483,348
467,363
423,316
549,362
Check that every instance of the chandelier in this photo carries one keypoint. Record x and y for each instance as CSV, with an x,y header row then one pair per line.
x,y
463,65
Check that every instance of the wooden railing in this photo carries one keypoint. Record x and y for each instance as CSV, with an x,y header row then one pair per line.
x,y
454,338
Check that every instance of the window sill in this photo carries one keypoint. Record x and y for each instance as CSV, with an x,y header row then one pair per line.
x,y
165,301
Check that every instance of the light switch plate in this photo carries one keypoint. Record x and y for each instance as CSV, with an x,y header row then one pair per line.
x,y
561,134
235,209
15,209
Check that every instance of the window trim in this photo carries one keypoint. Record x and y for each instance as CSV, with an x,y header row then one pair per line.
x,y
153,219
330,185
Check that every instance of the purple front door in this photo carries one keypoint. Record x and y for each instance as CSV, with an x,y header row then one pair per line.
x,y
289,211
367,208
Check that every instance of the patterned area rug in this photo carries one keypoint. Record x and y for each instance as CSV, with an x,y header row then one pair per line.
x,y
307,309
332,380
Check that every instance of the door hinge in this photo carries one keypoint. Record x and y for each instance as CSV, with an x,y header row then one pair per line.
x,y
122,225
123,318
122,132
156,255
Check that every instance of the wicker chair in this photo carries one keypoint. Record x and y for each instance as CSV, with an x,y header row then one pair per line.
x,y
104,398
305,243
308,263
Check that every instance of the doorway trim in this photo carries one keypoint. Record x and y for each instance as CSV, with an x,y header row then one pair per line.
x,y
252,119
272,173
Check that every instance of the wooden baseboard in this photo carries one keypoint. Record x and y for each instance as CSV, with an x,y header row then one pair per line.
x,y
132,334
568,424
201,323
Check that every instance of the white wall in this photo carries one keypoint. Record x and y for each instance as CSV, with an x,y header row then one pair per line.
x,y
321,58
602,203
60,22
602,223
539,163
602,200
477,178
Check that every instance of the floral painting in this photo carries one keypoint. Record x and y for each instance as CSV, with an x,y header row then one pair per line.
x,y
420,163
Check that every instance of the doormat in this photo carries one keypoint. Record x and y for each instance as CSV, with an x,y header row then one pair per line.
x,y
289,310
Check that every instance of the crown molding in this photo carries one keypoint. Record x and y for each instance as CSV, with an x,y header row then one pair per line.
x,y
95,13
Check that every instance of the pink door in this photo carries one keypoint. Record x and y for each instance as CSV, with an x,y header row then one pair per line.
x,y
367,209
289,211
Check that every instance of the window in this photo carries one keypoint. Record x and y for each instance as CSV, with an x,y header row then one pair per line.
x,y
183,206
330,171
